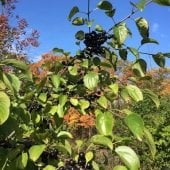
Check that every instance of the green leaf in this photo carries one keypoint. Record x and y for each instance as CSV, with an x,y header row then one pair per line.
x,y
125,95
35,152
150,142
72,70
62,100
120,167
134,51
96,61
134,92
56,81
102,101
110,13
121,32
89,156
105,123
74,101
49,167
64,134
123,54
129,157
104,5
42,97
139,67
84,104
91,80
114,88
78,21
80,35
95,165
73,11
140,5
152,96
98,28
149,40
4,107
102,140
22,160
135,124
159,59
162,2
143,27
58,50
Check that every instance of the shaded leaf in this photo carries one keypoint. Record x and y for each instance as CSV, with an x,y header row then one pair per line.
x,y
139,67
149,40
98,28
129,157
140,5
102,140
35,152
104,5
80,35
4,107
73,11
159,59
135,124
162,2
78,21
110,13
123,54
134,51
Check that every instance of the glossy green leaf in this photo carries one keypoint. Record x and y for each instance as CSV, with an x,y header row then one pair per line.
x,y
62,100
78,21
152,96
73,11
60,110
162,2
64,134
129,157
22,160
102,140
134,51
49,167
84,104
121,32
80,35
102,101
143,27
4,107
120,167
135,124
35,151
134,92
149,40
110,13
89,156
139,67
159,59
42,97
98,28
55,80
105,123
104,5
123,54
91,80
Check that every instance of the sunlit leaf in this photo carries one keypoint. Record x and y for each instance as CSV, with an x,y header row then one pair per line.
x,y
102,140
56,80
135,124
98,28
140,5
129,157
64,134
74,101
134,92
49,167
4,107
73,11
102,101
134,51
22,160
114,88
89,156
120,167
84,104
42,97
35,151
105,123
78,21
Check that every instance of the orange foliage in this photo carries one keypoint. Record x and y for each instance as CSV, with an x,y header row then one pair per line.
x,y
74,118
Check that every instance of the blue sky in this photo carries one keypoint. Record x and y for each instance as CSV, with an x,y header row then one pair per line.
x,y
50,19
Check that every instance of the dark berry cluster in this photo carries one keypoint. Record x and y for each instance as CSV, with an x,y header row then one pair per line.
x,y
34,106
49,154
81,164
94,40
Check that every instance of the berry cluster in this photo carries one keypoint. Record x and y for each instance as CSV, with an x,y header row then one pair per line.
x,y
94,40
34,106
81,164
49,154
